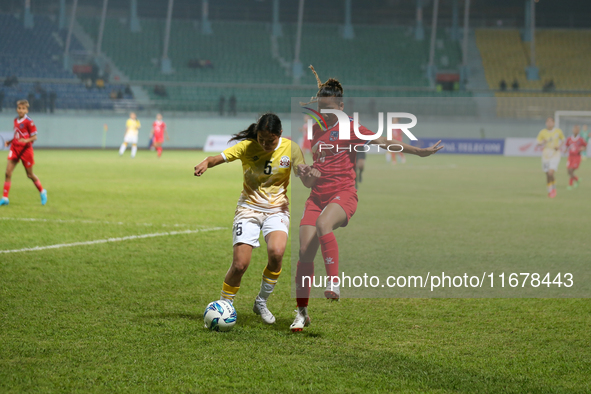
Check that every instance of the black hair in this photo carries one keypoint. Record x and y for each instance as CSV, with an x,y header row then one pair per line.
x,y
269,122
331,88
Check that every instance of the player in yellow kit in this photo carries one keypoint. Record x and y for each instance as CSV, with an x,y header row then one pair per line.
x,y
132,127
267,161
551,139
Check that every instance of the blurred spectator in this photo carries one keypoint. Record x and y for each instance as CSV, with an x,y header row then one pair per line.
x,y
221,104
106,72
10,81
160,90
88,83
200,63
128,91
113,95
52,98
502,85
119,94
232,105
549,86
100,83
515,84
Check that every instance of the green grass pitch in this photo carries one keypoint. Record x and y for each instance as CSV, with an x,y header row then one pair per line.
x,y
127,316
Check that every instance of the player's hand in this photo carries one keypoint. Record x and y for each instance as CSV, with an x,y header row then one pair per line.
x,y
201,168
7,143
314,173
304,170
431,150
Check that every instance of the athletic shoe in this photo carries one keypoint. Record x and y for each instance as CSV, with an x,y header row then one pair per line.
x,y
552,194
44,197
332,292
260,308
576,184
301,320
569,188
4,201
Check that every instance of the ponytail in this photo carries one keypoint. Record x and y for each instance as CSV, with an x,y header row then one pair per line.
x,y
269,122
249,134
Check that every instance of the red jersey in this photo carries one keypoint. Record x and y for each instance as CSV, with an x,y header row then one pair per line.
x,y
23,128
337,164
397,134
158,126
574,145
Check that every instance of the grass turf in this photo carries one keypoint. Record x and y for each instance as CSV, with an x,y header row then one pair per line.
x,y
127,316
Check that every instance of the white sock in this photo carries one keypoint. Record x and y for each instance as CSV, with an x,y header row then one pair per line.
x,y
122,149
133,150
266,289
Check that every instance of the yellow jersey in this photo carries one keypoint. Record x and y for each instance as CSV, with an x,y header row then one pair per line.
x,y
551,139
266,174
132,127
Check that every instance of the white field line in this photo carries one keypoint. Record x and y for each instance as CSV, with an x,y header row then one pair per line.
x,y
94,222
103,241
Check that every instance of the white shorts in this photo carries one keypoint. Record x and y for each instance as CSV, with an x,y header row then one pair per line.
x,y
130,139
550,164
248,224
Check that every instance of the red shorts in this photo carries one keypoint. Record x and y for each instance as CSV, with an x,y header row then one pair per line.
x,y
573,162
158,140
25,155
315,204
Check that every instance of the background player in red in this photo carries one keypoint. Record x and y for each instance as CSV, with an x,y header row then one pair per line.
x,y
21,148
333,199
575,145
158,134
397,135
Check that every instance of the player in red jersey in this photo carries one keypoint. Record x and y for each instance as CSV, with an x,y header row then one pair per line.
x,y
158,134
21,148
397,135
333,199
575,145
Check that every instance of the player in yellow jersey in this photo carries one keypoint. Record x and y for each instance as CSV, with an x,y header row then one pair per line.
x,y
132,127
267,161
551,139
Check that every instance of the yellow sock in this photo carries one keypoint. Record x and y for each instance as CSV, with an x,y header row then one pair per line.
x,y
268,283
229,292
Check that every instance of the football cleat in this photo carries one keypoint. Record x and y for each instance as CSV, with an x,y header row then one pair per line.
x,y
260,308
43,197
569,188
552,194
332,292
301,320
576,184
4,201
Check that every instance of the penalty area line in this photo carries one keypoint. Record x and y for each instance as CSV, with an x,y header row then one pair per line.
x,y
107,240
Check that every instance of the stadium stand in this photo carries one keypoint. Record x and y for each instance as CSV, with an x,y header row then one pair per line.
x,y
562,56
240,52
36,53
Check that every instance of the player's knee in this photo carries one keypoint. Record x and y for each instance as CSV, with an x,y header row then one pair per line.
x,y
323,226
30,175
275,254
239,266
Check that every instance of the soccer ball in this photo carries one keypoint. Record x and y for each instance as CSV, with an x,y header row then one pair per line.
x,y
219,316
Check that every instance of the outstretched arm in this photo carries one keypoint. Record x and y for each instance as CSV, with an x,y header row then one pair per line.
x,y
210,161
383,142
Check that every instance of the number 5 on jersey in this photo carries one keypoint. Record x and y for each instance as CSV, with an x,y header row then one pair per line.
x,y
268,167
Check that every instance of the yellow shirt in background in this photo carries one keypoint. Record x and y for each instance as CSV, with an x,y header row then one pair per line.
x,y
133,127
266,174
551,139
